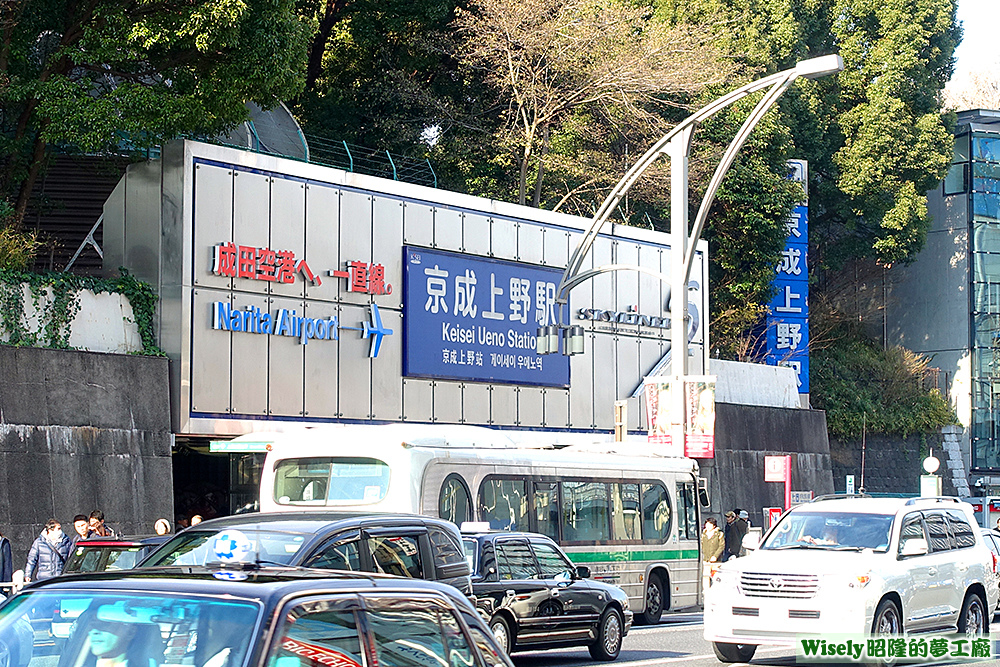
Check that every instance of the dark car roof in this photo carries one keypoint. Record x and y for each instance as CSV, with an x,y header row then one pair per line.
x,y
311,522
267,584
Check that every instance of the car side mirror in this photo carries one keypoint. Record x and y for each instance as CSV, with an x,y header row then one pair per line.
x,y
582,572
916,546
751,541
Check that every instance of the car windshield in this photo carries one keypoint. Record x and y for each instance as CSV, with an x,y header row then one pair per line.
x,y
199,547
74,628
847,531
92,559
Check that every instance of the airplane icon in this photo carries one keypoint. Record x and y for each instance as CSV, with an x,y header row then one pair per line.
x,y
375,330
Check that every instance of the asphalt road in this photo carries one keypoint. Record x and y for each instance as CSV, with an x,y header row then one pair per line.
x,y
677,641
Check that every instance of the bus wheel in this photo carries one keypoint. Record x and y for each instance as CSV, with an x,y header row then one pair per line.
x,y
654,600
501,632
734,652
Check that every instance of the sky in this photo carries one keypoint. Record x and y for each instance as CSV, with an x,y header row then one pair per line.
x,y
980,47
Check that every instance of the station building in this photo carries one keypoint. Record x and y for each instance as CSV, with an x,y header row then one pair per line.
x,y
295,294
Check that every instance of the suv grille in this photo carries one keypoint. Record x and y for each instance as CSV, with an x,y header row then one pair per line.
x,y
762,585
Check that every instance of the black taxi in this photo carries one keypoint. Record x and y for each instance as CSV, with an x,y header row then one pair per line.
x,y
235,617
534,597
405,545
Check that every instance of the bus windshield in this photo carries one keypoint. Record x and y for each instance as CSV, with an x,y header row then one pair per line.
x,y
330,481
846,531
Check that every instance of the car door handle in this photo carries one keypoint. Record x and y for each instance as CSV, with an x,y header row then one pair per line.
x,y
963,567
555,592
932,571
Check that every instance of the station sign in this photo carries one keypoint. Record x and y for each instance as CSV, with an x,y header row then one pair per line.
x,y
476,319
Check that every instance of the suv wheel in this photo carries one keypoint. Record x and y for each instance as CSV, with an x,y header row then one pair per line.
x,y
734,652
654,600
609,636
972,620
887,619
501,632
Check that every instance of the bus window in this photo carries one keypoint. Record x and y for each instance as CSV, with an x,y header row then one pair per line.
x,y
454,502
546,499
504,504
625,520
585,511
330,481
687,513
655,513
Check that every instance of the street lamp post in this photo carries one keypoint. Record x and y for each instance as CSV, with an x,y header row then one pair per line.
x,y
677,146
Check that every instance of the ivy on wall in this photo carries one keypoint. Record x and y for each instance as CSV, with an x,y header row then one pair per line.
x,y
54,297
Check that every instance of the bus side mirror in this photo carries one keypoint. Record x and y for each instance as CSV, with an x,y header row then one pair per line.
x,y
703,492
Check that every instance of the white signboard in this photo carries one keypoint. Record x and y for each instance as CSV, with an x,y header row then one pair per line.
x,y
799,497
850,484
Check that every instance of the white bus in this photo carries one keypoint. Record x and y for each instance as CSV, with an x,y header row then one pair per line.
x,y
632,518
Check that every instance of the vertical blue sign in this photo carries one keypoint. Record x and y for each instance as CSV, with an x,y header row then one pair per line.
x,y
473,318
787,319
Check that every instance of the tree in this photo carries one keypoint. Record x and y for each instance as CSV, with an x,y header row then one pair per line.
x,y
980,90
549,59
93,74
379,72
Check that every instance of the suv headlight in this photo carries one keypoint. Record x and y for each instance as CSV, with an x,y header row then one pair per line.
x,y
724,577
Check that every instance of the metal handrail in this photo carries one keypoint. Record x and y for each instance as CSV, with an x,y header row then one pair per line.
x,y
89,239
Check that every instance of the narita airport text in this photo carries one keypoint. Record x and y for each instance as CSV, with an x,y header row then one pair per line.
x,y
452,333
282,323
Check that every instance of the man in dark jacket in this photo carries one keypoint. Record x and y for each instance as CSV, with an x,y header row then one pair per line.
x,y
48,553
736,528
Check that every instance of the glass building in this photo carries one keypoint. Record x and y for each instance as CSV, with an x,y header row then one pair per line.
x,y
946,304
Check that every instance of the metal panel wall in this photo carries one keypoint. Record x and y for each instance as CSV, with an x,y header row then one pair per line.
x,y
387,390
604,286
355,237
251,220
447,229
285,366
503,406
581,389
556,407
288,229
447,402
323,240
649,289
210,364
504,237
627,289
213,221
476,234
530,243
418,400
418,224
627,350
249,376
605,386
530,406
355,366
556,251
476,403
387,242
322,365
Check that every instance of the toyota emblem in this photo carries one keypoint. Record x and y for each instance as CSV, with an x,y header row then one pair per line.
x,y
775,582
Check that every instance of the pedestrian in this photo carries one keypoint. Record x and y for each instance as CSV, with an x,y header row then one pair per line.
x,y
196,519
736,528
48,553
998,524
81,528
713,542
745,516
98,528
162,526
6,565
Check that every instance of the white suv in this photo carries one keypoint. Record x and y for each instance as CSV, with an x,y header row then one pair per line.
x,y
854,565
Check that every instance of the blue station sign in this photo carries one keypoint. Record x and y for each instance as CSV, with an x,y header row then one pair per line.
x,y
473,318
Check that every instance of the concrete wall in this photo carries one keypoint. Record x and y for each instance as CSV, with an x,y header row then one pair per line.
x,y
81,431
744,435
892,463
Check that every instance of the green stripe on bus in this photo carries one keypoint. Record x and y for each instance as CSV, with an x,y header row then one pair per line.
x,y
602,556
